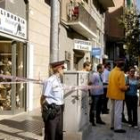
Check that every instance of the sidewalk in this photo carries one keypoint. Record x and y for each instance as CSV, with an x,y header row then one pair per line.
x,y
103,132
28,126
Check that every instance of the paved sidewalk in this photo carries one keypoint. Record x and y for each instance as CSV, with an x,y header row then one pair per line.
x,y
103,132
28,126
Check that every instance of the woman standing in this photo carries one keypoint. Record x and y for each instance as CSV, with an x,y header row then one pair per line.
x,y
132,98
53,93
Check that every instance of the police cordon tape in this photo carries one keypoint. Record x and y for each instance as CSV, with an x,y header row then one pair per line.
x,y
19,80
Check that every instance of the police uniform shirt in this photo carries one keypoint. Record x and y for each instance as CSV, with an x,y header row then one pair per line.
x,y
53,90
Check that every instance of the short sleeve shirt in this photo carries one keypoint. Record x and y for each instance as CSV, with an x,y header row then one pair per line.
x,y
53,90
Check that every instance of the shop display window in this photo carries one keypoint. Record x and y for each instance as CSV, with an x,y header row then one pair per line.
x,y
12,62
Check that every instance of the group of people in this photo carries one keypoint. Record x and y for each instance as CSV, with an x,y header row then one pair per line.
x,y
120,87
113,84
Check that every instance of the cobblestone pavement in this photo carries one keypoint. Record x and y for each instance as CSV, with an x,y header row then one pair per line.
x,y
28,126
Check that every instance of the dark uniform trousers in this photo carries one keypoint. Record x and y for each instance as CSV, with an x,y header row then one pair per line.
x,y
54,128
96,106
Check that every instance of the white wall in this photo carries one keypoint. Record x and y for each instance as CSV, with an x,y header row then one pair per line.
x,y
39,38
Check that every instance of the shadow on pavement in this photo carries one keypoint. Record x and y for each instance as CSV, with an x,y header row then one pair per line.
x,y
16,135
33,125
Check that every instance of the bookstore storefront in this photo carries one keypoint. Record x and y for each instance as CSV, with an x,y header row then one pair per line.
x,y
12,62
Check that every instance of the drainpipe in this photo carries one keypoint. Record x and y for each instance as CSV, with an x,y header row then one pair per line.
x,y
54,43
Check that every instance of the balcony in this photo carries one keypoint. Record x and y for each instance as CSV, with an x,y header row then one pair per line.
x,y
80,20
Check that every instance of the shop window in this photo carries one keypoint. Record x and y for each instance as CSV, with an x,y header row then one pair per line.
x,y
12,63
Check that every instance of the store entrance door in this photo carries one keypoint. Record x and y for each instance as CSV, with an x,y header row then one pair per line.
x,y
12,63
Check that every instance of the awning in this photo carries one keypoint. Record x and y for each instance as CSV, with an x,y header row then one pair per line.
x,y
79,53
12,37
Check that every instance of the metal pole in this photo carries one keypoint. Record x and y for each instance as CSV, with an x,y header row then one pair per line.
x,y
54,44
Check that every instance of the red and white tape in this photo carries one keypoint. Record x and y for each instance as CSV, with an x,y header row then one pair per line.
x,y
19,80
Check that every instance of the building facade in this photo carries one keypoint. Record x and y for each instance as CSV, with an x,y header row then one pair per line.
x,y
38,48
13,36
24,52
114,32
81,32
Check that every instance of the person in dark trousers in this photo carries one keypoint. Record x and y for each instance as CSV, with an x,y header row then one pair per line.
x,y
105,76
132,99
96,95
53,95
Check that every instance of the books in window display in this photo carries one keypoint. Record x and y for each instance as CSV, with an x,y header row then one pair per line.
x,y
9,63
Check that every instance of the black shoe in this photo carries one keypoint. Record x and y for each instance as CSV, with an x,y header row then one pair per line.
x,y
93,124
101,122
124,120
105,112
111,128
119,131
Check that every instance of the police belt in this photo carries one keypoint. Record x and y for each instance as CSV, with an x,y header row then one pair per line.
x,y
53,105
50,111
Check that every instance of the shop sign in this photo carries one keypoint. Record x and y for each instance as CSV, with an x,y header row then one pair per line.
x,y
96,52
12,24
82,45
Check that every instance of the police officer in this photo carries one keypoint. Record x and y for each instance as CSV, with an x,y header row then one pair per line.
x,y
53,93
